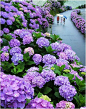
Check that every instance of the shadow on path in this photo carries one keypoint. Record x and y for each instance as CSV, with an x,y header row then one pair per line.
x,y
70,35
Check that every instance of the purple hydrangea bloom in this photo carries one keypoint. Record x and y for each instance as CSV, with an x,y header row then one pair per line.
x,y
27,39
9,22
2,21
55,46
15,50
83,69
67,91
38,81
75,73
62,55
48,75
65,105
14,91
32,69
61,80
14,43
39,103
30,50
17,32
61,62
1,32
37,58
42,42
30,76
4,56
49,59
70,54
5,49
17,57
1,41
6,30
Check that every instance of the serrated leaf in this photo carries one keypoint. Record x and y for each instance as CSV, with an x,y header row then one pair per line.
x,y
47,90
40,68
26,57
39,95
57,94
66,70
30,63
62,67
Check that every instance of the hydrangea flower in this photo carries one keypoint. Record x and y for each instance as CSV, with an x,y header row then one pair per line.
x,y
37,58
32,69
4,56
27,39
75,73
2,21
39,103
83,69
48,75
6,30
14,91
15,50
67,91
14,42
9,22
30,76
83,107
38,81
5,49
17,57
1,32
61,80
55,46
30,50
1,41
65,105
49,59
61,62
42,42
62,55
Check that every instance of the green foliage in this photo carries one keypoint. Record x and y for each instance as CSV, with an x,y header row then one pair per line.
x,y
49,49
7,37
47,90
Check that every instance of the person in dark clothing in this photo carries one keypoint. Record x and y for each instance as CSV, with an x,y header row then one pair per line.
x,y
64,20
57,19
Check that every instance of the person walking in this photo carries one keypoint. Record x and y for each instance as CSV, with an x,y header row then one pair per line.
x,y
57,19
64,20
61,20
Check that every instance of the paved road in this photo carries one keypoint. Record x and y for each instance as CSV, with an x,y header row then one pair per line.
x,y
70,35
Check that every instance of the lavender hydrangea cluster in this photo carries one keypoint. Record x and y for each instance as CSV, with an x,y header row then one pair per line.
x,y
61,80
27,39
78,20
4,56
61,62
14,91
15,50
67,91
5,49
48,75
37,58
30,50
32,69
65,105
49,59
83,69
75,73
42,42
30,75
17,57
39,103
14,42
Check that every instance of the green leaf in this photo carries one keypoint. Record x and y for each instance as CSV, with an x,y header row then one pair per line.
x,y
40,68
30,63
49,49
70,76
5,42
7,37
57,70
28,101
20,67
62,67
47,90
83,73
39,95
66,70
26,57
37,35
57,94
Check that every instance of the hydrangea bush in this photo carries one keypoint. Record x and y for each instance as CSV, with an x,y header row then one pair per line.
x,y
38,69
79,22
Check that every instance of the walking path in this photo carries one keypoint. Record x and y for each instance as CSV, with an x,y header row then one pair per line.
x,y
70,35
